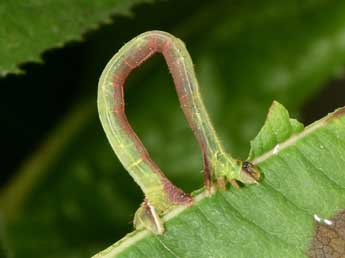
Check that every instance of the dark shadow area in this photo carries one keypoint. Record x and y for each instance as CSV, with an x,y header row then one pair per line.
x,y
331,97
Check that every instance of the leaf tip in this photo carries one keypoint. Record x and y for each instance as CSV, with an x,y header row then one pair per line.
x,y
274,106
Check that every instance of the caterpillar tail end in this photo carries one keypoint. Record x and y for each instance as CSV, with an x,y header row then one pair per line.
x,y
157,203
147,217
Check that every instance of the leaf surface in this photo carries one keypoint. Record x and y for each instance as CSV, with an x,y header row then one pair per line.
x,y
278,127
273,219
28,28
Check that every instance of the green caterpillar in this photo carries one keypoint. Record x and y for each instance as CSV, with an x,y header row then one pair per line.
x,y
160,194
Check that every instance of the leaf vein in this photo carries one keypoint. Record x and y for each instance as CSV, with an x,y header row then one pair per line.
x,y
289,168
323,174
166,247
284,242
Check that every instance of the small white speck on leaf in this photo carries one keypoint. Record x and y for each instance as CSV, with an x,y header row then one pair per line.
x,y
328,222
276,149
317,218
325,221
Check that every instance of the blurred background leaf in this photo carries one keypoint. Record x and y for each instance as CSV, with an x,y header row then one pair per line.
x,y
30,27
62,185
3,249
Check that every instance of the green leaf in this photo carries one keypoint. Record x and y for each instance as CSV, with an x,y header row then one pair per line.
x,y
273,219
278,127
31,27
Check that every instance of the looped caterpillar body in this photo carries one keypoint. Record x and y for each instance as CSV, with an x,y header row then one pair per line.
x,y
160,193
